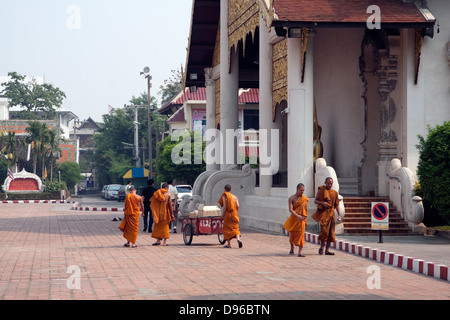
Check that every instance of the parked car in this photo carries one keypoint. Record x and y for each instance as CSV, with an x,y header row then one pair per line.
x,y
121,194
111,191
182,191
103,192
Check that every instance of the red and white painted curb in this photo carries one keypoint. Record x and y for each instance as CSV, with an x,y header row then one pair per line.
x,y
36,201
80,208
431,269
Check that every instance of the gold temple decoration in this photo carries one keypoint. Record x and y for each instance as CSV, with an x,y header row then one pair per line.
x,y
267,12
243,19
279,70
419,43
317,144
217,102
305,35
216,54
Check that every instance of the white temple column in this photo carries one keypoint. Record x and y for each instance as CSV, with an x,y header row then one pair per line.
x,y
300,117
210,83
265,106
229,90
413,112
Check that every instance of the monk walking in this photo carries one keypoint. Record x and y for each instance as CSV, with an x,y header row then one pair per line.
x,y
130,224
327,201
230,205
296,223
161,207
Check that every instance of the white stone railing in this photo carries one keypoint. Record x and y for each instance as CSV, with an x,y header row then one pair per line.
x,y
322,172
401,193
209,186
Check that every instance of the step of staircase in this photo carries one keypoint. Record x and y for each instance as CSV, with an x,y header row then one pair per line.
x,y
358,217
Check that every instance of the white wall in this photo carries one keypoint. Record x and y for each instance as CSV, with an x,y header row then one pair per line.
x,y
337,93
428,101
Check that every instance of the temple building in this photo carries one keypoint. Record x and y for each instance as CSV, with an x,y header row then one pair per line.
x,y
346,86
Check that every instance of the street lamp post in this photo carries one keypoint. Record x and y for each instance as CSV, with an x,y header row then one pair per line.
x,y
146,72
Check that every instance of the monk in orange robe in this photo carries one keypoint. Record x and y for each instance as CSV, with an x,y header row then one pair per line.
x,y
327,201
230,205
161,207
296,223
130,224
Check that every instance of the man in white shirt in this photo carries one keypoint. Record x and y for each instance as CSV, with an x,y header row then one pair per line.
x,y
174,194
127,188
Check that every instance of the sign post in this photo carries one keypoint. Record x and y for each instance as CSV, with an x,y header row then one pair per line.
x,y
380,217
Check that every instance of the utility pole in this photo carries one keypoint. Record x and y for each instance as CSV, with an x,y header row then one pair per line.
x,y
136,138
146,72
136,157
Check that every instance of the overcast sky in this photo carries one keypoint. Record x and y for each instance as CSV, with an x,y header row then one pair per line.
x,y
93,50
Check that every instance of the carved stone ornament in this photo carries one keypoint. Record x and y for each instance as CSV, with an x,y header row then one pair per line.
x,y
24,182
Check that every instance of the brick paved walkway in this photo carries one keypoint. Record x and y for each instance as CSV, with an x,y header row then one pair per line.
x,y
39,242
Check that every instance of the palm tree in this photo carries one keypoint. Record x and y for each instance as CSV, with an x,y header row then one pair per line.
x,y
10,147
53,149
39,135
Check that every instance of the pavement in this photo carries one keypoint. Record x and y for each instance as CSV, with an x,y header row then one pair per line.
x,y
51,252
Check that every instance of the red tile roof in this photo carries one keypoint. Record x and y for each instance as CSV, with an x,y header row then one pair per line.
x,y
246,96
177,116
198,95
249,96
346,11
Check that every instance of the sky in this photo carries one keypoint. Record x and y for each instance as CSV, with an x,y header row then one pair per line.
x,y
94,50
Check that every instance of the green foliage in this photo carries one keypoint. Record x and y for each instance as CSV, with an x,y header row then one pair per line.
x,y
34,98
3,171
184,150
171,87
434,169
119,166
70,174
54,186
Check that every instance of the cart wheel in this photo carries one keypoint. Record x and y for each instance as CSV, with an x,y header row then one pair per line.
x,y
221,239
187,234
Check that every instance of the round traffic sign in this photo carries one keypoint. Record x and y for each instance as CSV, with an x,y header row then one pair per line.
x,y
380,211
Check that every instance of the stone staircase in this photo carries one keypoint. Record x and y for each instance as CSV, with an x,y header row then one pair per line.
x,y
357,219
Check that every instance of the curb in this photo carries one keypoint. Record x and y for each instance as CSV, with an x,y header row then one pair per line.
x,y
431,269
36,201
78,207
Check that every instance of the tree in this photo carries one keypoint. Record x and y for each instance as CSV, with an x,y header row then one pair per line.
x,y
172,86
117,128
70,173
10,147
39,135
434,168
33,97
188,170
3,170
53,149
158,124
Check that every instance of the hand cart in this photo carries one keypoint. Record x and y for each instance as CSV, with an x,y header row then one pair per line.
x,y
202,226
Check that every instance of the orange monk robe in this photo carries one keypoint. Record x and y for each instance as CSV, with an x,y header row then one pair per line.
x,y
294,226
161,215
230,217
325,217
130,224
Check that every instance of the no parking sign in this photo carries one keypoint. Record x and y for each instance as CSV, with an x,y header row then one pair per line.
x,y
380,215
